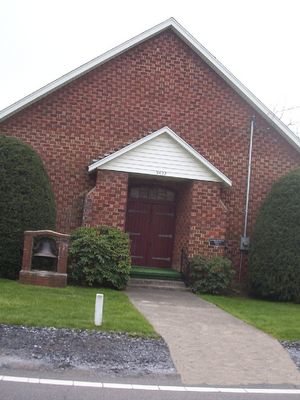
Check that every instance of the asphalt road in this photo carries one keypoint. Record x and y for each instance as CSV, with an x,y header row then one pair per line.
x,y
37,391
28,387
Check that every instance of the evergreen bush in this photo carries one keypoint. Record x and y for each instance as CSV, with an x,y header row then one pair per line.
x,y
274,260
210,275
99,256
26,201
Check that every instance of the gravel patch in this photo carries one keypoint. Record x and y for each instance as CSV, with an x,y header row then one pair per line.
x,y
105,352
293,347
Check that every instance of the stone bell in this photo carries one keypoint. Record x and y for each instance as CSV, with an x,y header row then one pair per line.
x,y
45,249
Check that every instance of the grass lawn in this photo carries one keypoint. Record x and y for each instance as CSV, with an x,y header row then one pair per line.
x,y
71,307
281,320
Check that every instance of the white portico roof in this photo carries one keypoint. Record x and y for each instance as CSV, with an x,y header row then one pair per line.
x,y
161,153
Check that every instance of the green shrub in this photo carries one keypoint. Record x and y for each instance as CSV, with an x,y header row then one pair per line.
x,y
26,201
212,275
99,256
274,260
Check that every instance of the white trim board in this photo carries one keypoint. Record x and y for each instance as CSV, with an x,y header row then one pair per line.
x,y
186,163
202,52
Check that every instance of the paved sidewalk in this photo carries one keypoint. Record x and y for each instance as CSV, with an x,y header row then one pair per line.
x,y
209,346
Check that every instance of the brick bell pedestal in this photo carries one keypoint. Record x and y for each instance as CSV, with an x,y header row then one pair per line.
x,y
30,276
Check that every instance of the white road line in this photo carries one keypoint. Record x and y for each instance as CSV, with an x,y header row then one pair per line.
x,y
15,379
127,386
33,380
202,389
173,388
145,387
117,385
232,390
56,382
273,391
88,384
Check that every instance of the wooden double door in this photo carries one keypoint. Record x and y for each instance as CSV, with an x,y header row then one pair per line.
x,y
150,225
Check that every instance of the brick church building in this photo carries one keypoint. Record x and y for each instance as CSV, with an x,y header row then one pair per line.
x,y
157,138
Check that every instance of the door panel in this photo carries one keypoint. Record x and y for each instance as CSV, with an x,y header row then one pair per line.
x,y
162,232
150,226
137,226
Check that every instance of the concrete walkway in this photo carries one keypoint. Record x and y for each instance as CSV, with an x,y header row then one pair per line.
x,y
209,346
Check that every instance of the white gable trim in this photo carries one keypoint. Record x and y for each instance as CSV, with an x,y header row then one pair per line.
x,y
171,23
154,135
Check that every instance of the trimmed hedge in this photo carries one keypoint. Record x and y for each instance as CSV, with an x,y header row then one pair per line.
x,y
274,260
26,201
99,256
210,275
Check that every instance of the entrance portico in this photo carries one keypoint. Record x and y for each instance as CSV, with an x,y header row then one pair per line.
x,y
164,194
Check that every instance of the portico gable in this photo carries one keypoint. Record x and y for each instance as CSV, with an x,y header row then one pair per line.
x,y
161,153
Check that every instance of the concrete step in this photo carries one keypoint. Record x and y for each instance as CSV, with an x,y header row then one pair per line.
x,y
157,284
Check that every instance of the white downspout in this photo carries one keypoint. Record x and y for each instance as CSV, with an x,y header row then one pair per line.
x,y
249,176
244,239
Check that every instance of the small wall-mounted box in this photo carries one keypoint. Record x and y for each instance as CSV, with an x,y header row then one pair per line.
x,y
245,243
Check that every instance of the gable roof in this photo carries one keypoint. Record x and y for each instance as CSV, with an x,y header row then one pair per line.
x,y
172,24
186,163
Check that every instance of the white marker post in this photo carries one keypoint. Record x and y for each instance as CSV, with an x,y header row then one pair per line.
x,y
98,309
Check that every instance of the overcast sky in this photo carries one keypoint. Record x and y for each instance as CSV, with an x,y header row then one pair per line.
x,y
258,41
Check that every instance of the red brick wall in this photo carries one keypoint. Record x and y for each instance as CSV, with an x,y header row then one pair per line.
x,y
160,82
200,216
208,218
42,278
183,222
106,203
